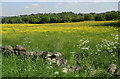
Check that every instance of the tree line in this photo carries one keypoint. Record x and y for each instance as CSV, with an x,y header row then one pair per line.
x,y
60,17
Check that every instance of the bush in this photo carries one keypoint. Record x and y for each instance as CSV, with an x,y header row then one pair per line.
x,y
99,17
88,17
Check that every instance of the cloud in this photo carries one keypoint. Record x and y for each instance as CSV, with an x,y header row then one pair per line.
x,y
105,0
59,1
59,4
72,3
27,7
35,4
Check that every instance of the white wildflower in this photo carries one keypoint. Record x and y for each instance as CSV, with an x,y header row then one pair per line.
x,y
116,38
110,50
113,55
56,73
95,52
49,67
98,50
105,45
117,35
83,43
96,46
116,42
108,45
29,41
72,52
101,46
85,48
91,53
78,47
114,47
80,41
65,70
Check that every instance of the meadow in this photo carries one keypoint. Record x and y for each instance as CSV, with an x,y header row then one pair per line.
x,y
95,41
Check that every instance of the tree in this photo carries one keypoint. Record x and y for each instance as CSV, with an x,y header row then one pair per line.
x,y
19,20
12,20
58,19
99,17
76,18
81,18
67,19
53,19
26,19
33,20
4,20
88,17
113,15
45,19
61,17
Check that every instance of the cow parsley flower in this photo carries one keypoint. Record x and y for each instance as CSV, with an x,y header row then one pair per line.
x,y
65,70
56,73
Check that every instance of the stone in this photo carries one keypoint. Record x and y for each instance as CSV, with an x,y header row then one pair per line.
x,y
53,61
20,53
112,69
78,68
31,53
58,54
49,54
52,56
61,62
72,69
44,54
16,52
7,48
20,48
78,62
39,53
65,62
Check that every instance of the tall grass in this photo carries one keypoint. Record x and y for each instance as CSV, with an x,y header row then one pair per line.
x,y
96,44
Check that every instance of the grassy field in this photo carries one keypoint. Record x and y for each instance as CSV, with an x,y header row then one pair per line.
x,y
95,42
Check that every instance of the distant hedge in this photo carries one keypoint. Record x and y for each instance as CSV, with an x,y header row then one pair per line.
x,y
60,17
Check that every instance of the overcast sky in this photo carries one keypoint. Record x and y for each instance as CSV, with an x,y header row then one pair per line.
x,y
16,7
59,0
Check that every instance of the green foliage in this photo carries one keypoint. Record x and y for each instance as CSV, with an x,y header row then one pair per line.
x,y
76,18
88,17
60,17
99,17
112,15
45,19
68,44
33,20
53,19
67,19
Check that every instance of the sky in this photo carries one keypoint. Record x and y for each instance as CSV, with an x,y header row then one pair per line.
x,y
17,7
59,0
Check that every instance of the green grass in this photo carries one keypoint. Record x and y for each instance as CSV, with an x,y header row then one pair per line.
x,y
67,43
